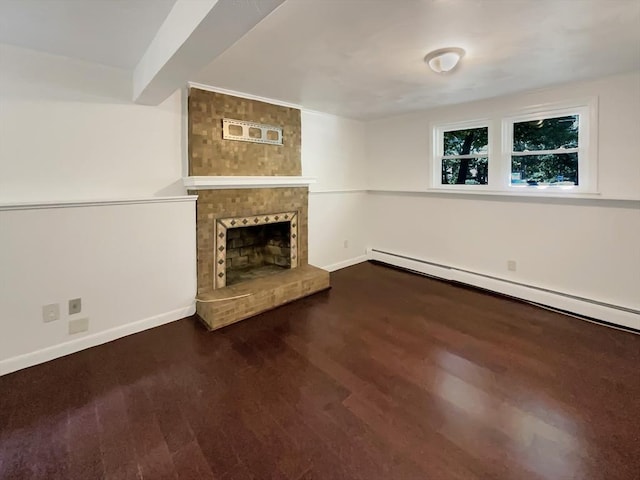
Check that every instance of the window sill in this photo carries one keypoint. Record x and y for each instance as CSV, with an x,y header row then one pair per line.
x,y
507,193
519,192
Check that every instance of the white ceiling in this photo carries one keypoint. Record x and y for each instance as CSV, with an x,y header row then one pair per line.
x,y
364,58
109,32
357,58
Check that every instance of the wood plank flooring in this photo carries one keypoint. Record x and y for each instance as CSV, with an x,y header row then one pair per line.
x,y
387,376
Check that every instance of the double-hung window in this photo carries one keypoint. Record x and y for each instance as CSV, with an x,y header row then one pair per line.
x,y
548,149
462,154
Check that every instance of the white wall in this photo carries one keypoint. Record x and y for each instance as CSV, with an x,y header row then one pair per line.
x,y
587,248
133,265
399,147
68,131
337,229
333,151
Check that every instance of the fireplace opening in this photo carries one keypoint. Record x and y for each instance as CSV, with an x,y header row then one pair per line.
x,y
257,251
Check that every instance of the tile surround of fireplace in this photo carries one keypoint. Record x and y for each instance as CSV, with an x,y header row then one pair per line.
x,y
228,291
239,254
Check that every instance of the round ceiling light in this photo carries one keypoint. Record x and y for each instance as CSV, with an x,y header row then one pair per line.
x,y
444,60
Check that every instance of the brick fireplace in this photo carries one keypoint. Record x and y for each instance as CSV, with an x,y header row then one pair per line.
x,y
251,240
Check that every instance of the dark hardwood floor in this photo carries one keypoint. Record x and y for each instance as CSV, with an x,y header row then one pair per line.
x,y
387,376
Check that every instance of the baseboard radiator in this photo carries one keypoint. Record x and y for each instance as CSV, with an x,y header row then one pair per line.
x,y
581,307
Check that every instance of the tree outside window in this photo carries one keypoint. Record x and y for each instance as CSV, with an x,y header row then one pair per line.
x,y
545,152
464,157
550,147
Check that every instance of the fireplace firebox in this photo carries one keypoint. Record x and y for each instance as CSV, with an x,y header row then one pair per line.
x,y
255,246
257,251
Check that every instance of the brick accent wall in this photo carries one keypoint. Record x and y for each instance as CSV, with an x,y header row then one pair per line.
x,y
209,154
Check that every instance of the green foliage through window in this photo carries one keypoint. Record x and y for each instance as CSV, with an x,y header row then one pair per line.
x,y
472,170
560,169
546,134
475,171
465,142
549,134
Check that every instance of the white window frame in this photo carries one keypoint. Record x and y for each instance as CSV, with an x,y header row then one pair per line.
x,y
438,153
500,147
587,148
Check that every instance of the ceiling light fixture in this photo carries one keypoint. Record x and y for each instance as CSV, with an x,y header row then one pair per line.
x,y
444,60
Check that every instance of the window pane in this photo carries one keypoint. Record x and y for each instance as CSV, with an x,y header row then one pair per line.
x,y
465,142
547,134
465,171
561,169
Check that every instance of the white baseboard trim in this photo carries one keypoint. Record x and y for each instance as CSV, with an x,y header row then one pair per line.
x,y
346,263
56,351
613,314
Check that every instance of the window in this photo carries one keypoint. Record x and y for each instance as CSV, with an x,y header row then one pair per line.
x,y
462,152
548,149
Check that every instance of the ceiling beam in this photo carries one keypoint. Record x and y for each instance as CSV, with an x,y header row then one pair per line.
x,y
191,37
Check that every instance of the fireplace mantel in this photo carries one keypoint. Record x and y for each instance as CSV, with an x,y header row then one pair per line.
x,y
221,182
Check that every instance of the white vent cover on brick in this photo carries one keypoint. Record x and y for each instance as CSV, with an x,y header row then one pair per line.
x,y
251,132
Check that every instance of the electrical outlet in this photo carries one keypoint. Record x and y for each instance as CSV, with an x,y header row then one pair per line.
x,y
75,306
51,312
346,244
79,325
511,265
